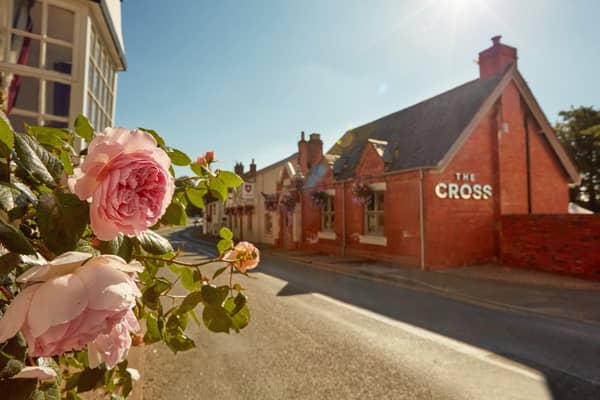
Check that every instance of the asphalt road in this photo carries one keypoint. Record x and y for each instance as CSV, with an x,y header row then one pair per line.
x,y
315,334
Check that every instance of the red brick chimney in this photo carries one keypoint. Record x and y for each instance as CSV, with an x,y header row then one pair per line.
x,y
494,60
309,152
238,168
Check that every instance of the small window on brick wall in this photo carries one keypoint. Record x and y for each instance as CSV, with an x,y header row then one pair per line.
x,y
374,214
328,215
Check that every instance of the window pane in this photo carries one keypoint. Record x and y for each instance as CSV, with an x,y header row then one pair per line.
x,y
24,51
371,223
60,23
27,93
379,199
58,58
58,96
25,11
91,72
380,222
18,122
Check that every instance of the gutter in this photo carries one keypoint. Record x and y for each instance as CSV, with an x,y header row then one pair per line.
x,y
113,31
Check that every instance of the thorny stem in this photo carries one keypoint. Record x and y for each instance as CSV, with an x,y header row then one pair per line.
x,y
230,280
5,292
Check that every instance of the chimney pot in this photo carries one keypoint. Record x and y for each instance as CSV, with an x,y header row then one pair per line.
x,y
302,136
315,136
496,40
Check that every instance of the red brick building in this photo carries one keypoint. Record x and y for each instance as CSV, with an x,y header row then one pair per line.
x,y
428,185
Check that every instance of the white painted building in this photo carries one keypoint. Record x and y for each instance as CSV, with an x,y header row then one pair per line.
x,y
59,58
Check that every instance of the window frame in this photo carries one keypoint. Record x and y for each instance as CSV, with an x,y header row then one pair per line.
x,y
376,212
40,73
328,215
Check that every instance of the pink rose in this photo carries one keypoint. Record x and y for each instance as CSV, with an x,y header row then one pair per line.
x,y
244,256
112,348
127,176
68,304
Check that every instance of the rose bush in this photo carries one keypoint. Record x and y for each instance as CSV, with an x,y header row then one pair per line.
x,y
81,262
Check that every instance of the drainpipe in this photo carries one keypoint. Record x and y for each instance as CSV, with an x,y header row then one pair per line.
x,y
343,219
422,218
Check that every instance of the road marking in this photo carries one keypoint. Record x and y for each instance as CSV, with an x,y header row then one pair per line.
x,y
461,347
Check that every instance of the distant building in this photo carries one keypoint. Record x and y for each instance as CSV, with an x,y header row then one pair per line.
x,y
59,58
428,185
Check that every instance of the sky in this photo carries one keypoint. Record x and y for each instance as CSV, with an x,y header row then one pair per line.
x,y
243,78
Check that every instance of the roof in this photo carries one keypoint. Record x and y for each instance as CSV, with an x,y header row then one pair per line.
x,y
418,136
278,163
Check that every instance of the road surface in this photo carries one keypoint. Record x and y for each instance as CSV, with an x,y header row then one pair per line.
x,y
315,334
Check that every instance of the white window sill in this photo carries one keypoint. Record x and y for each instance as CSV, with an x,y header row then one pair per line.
x,y
326,235
373,239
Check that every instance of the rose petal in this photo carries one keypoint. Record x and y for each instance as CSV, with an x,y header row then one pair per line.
x,y
57,301
64,264
108,288
15,315
41,373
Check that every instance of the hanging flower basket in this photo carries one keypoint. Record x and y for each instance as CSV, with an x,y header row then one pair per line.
x,y
299,182
319,198
288,203
271,203
362,193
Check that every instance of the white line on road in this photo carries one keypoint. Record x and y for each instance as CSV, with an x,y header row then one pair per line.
x,y
461,347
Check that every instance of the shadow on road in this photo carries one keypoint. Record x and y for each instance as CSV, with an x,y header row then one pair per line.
x,y
526,339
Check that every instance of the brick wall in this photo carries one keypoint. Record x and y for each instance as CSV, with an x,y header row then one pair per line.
x,y
559,243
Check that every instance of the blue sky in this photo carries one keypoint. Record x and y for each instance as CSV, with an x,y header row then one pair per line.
x,y
243,78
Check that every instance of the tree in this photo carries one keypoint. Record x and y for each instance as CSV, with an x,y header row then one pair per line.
x,y
579,132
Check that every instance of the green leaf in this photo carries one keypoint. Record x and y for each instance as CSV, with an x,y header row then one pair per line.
x,y
38,162
89,379
14,240
175,215
153,333
212,295
50,363
216,318
11,368
196,196
218,189
65,158
49,136
191,279
178,157
223,245
62,219
230,179
49,391
190,302
151,293
7,136
197,169
226,233
179,342
121,246
238,312
219,271
9,262
84,128
155,135
154,243
12,196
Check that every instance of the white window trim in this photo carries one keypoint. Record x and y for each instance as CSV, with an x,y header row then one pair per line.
x,y
373,239
328,235
378,186
330,192
75,79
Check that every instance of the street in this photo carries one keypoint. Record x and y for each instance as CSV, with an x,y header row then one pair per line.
x,y
315,334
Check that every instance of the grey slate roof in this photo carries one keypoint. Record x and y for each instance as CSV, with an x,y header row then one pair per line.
x,y
418,136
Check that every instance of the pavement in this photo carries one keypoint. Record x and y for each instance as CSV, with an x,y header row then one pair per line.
x,y
495,286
